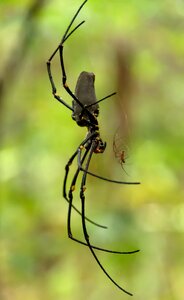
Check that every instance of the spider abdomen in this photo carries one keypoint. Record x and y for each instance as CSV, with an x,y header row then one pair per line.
x,y
85,93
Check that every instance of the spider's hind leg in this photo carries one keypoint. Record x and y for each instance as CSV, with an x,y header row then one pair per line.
x,y
70,193
67,167
86,236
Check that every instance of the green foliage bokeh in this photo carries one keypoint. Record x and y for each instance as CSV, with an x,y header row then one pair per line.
x,y
37,260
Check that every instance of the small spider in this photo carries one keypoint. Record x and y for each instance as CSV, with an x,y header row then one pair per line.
x,y
120,149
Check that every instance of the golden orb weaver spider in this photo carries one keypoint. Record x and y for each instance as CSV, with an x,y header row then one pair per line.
x,y
85,110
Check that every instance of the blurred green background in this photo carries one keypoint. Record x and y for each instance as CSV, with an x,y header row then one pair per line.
x,y
135,48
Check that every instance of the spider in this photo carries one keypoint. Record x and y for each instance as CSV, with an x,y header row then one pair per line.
x,y
85,111
120,149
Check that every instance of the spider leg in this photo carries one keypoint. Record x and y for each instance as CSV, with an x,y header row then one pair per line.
x,y
67,167
98,176
64,77
53,86
72,187
86,236
60,47
104,98
54,90
65,37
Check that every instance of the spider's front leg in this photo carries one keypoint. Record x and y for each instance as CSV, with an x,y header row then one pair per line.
x,y
53,86
60,48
